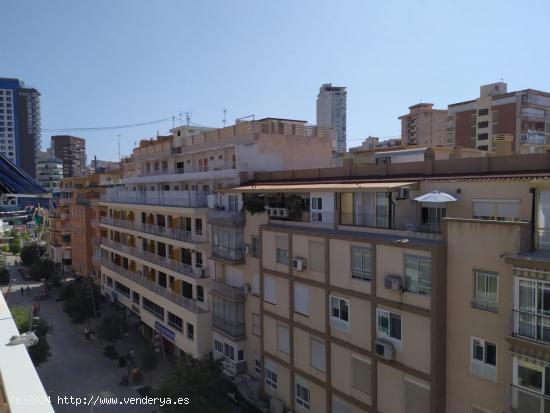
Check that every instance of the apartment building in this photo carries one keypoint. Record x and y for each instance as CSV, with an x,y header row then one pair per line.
x,y
72,151
49,171
172,251
332,113
424,125
415,287
521,117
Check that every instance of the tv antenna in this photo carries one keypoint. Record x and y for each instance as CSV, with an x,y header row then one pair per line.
x,y
224,117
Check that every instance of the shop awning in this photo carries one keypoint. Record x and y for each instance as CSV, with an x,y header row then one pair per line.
x,y
321,187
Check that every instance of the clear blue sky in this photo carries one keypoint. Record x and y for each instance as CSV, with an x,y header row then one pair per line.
x,y
113,62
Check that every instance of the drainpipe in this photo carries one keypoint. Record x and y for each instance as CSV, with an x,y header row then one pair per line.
x,y
533,212
391,210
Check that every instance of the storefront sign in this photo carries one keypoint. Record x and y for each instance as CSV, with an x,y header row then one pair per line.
x,y
165,331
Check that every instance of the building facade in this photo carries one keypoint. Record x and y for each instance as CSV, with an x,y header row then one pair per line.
x,y
172,254
332,112
19,124
424,125
72,151
521,117
49,172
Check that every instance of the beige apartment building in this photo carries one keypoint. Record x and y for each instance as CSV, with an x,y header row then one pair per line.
x,y
173,251
424,125
416,287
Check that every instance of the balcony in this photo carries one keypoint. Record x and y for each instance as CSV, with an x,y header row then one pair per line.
x,y
224,217
399,222
534,137
527,401
232,328
164,262
184,302
228,291
234,255
185,199
532,326
166,232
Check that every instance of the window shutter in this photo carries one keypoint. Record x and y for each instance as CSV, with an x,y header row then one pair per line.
x,y
417,397
318,354
317,256
301,299
270,294
255,284
282,243
508,209
283,339
484,209
361,371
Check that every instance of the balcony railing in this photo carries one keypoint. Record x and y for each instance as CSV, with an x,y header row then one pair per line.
x,y
232,328
532,325
186,303
226,253
172,233
228,291
399,222
164,262
185,170
484,304
526,401
186,199
219,216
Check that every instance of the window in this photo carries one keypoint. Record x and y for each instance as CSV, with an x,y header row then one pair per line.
x,y
532,309
361,375
257,365
233,203
301,299
135,297
175,321
153,308
198,259
283,339
317,256
316,209
339,313
270,378
240,355
484,359
500,210
282,250
417,396
388,325
302,396
485,290
255,287
483,124
218,347
198,226
482,136
255,246
532,376
483,112
418,274
361,263
228,351
256,325
339,406
190,331
318,354
270,290
121,288
109,281
200,293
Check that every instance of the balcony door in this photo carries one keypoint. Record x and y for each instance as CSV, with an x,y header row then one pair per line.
x,y
531,388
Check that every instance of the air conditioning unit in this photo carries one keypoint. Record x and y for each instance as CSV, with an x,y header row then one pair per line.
x,y
269,211
393,282
282,212
384,349
246,248
298,264
404,193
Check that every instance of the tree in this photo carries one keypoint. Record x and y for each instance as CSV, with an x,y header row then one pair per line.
x,y
6,248
199,379
40,352
29,254
15,243
148,359
43,269
78,301
110,329
4,276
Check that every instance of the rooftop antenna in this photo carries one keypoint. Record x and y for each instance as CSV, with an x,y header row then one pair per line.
x,y
224,117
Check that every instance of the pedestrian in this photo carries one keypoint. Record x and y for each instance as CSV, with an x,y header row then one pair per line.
x,y
87,334
28,291
22,289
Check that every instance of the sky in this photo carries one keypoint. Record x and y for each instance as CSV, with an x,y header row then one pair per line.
x,y
118,62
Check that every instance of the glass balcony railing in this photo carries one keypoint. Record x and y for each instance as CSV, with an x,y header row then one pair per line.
x,y
527,401
226,253
532,325
234,329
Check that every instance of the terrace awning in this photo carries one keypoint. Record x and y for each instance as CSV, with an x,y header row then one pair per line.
x,y
321,187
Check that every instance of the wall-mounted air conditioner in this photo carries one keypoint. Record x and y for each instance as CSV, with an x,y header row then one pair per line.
x,y
384,349
404,193
298,264
393,282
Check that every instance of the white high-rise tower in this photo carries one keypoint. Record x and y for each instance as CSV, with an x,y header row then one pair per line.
x,y
331,112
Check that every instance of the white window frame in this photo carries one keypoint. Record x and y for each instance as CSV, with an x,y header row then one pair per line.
x,y
271,378
338,322
479,368
418,258
300,400
216,350
363,274
483,303
397,343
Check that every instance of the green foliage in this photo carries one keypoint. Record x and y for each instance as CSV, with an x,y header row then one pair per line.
x,y
30,254
5,248
43,269
4,276
254,203
15,243
26,237
111,327
199,380
40,352
78,301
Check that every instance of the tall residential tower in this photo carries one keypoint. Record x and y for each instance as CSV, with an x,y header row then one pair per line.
x,y
331,112
72,151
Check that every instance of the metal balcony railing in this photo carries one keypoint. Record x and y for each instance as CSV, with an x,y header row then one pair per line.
x,y
172,233
234,329
186,303
228,291
532,325
527,401
226,253
219,216
164,262
186,199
